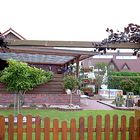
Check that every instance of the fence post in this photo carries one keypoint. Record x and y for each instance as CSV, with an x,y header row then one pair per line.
x,y
10,127
47,128
137,114
73,129
37,128
90,128
107,127
81,128
123,127
2,128
64,130
19,127
131,128
55,129
29,128
138,130
99,127
115,127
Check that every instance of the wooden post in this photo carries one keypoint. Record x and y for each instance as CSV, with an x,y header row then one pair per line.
x,y
137,114
77,66
138,130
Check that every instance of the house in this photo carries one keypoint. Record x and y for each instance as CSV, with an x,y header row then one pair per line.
x,y
47,58
117,62
12,34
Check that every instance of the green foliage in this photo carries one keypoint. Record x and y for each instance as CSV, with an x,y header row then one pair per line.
x,y
19,76
127,83
70,82
101,66
101,70
125,73
89,89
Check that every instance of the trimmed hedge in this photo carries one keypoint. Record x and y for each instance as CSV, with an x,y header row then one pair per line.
x,y
116,81
125,73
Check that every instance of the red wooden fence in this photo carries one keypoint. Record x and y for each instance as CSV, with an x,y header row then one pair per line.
x,y
93,129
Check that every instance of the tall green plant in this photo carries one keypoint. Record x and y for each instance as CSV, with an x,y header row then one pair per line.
x,y
72,83
101,68
127,83
19,77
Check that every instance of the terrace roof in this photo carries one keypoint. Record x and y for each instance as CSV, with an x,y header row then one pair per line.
x,y
38,51
44,55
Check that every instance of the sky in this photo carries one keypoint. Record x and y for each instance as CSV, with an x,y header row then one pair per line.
x,y
68,20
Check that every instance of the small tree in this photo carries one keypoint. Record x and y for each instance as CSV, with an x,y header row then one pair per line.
x,y
99,74
127,85
19,77
70,82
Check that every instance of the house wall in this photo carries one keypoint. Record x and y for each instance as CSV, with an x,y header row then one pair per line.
x,y
11,36
53,68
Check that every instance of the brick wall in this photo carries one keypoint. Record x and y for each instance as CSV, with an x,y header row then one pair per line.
x,y
52,99
49,93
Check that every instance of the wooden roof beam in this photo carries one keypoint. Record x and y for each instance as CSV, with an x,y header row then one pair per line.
x,y
71,44
54,51
126,45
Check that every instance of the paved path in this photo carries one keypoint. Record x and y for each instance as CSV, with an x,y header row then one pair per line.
x,y
88,104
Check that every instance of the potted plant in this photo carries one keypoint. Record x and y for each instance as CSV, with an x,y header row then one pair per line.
x,y
86,69
88,90
86,80
119,100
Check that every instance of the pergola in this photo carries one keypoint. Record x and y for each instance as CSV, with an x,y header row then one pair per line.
x,y
46,52
55,52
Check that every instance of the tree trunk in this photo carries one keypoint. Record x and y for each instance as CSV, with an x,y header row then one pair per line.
x,y
18,103
71,98
15,103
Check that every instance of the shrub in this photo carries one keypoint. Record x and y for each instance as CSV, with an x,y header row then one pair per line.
x,y
70,82
127,83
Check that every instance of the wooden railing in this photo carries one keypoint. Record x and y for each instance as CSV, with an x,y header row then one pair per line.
x,y
92,129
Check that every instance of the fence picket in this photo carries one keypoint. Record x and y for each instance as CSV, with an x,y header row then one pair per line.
x,y
123,127
131,128
19,127
107,127
29,128
2,128
90,128
81,128
99,127
10,127
73,129
37,128
138,130
46,128
64,130
115,127
55,129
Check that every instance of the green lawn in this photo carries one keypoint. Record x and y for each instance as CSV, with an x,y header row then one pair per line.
x,y
68,115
